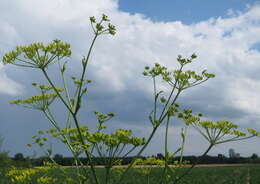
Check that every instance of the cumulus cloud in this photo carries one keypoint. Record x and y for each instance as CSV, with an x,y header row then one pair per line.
x,y
225,46
8,37
9,86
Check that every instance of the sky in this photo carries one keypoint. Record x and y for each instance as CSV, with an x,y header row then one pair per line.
x,y
224,34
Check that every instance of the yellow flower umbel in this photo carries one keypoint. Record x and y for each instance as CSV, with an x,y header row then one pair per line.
x,y
21,176
37,55
46,180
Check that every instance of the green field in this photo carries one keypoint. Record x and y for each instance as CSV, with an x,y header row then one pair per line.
x,y
247,174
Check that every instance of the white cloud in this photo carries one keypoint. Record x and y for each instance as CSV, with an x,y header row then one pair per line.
x,y
8,37
244,93
7,85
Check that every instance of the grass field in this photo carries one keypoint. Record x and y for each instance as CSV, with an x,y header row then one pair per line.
x,y
246,174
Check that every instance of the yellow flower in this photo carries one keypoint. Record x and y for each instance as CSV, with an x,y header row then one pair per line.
x,y
45,179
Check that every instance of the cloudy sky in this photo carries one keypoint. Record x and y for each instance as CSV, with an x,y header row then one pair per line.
x,y
224,34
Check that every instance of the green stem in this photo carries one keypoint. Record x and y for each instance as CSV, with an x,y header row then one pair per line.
x,y
155,99
148,141
183,143
138,154
83,74
201,132
166,140
235,139
107,175
58,93
86,152
132,149
170,96
65,85
76,123
174,100
193,165
51,119
165,150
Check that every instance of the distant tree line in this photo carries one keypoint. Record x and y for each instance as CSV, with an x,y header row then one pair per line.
x,y
20,161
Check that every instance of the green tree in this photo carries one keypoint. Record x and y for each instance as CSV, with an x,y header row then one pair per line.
x,y
58,158
1,143
5,161
19,157
254,156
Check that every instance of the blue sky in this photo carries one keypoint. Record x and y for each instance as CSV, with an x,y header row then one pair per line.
x,y
224,35
187,11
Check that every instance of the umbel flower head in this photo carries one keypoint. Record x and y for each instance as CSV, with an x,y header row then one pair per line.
x,y
37,55
178,78
222,131
41,101
99,27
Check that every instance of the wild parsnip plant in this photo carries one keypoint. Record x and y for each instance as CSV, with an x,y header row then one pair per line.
x,y
79,139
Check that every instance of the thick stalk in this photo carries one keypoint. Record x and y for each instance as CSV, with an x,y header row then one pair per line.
x,y
173,101
165,151
86,152
107,175
155,99
132,149
193,165
51,119
85,63
77,104
169,98
58,93
65,85
76,123
138,154
148,141
183,143
235,139
166,140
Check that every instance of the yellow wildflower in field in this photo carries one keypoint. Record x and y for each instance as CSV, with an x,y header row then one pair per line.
x,y
46,180
27,175
19,176
19,179
12,172
29,172
69,180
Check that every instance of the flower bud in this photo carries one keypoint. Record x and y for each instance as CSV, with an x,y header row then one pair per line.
x,y
92,19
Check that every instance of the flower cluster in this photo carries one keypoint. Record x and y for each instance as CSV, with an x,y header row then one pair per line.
x,y
114,141
37,55
144,166
41,101
40,175
46,180
29,176
36,102
102,118
178,78
99,28
222,131
189,118
149,161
